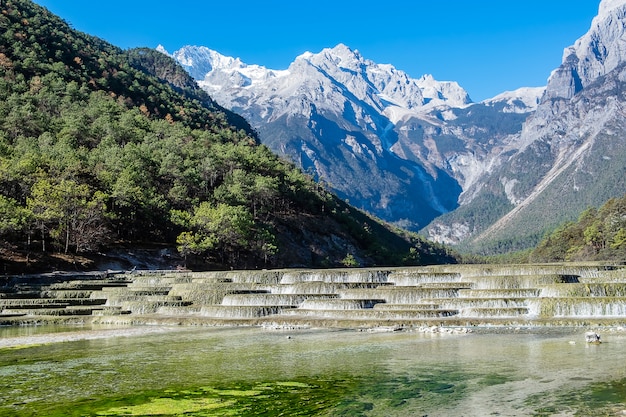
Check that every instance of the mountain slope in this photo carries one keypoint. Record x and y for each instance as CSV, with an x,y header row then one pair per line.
x,y
104,149
401,148
572,149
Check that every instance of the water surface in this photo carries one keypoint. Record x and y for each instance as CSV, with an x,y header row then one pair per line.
x,y
163,371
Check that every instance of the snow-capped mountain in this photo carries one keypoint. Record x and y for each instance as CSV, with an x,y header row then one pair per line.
x,y
523,100
368,130
411,150
378,85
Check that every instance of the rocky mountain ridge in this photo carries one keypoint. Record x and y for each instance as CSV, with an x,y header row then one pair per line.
x,y
571,149
380,139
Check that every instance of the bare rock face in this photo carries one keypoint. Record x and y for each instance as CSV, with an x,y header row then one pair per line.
x,y
570,150
594,55
564,82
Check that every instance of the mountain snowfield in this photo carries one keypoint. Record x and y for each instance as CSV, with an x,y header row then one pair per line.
x,y
379,85
411,150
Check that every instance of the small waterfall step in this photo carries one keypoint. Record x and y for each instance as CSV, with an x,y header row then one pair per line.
x,y
445,285
339,304
318,287
414,278
66,294
151,307
241,312
65,311
11,315
588,307
205,293
43,302
495,312
372,314
418,307
401,295
47,304
122,298
111,311
267,299
497,282
138,291
16,294
161,280
336,276
460,303
15,302
500,293
87,285
188,310
596,289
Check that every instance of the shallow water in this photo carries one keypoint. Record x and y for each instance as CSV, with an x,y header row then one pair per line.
x,y
254,372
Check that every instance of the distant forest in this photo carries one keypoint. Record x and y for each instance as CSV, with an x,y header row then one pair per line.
x,y
599,234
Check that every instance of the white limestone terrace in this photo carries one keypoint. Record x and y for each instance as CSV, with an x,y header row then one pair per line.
x,y
407,298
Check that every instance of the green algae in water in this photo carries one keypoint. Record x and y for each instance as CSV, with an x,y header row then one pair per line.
x,y
292,398
171,407
598,399
351,396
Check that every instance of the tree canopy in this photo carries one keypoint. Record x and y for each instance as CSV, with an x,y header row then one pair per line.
x,y
599,234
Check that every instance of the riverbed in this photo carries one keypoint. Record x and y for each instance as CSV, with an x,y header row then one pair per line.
x,y
173,371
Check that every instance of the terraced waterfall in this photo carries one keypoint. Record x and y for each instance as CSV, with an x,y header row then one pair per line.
x,y
450,295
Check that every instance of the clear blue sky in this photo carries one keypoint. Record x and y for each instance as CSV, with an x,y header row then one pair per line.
x,y
488,46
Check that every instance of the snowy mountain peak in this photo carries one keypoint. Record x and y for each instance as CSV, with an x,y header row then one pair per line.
x,y
161,48
325,78
595,54
448,93
209,67
338,57
343,53
523,100
606,6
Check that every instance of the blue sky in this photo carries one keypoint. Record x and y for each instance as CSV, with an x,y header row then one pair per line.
x,y
488,46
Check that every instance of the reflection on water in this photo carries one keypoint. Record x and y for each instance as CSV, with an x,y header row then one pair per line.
x,y
242,372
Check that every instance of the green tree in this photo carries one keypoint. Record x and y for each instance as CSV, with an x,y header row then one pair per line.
x,y
223,229
350,261
68,213
13,217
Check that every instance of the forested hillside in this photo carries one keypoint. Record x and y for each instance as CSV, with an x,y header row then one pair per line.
x,y
101,147
599,234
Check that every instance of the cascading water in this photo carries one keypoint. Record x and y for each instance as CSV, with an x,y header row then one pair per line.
x,y
578,307
459,294
282,300
337,276
415,278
